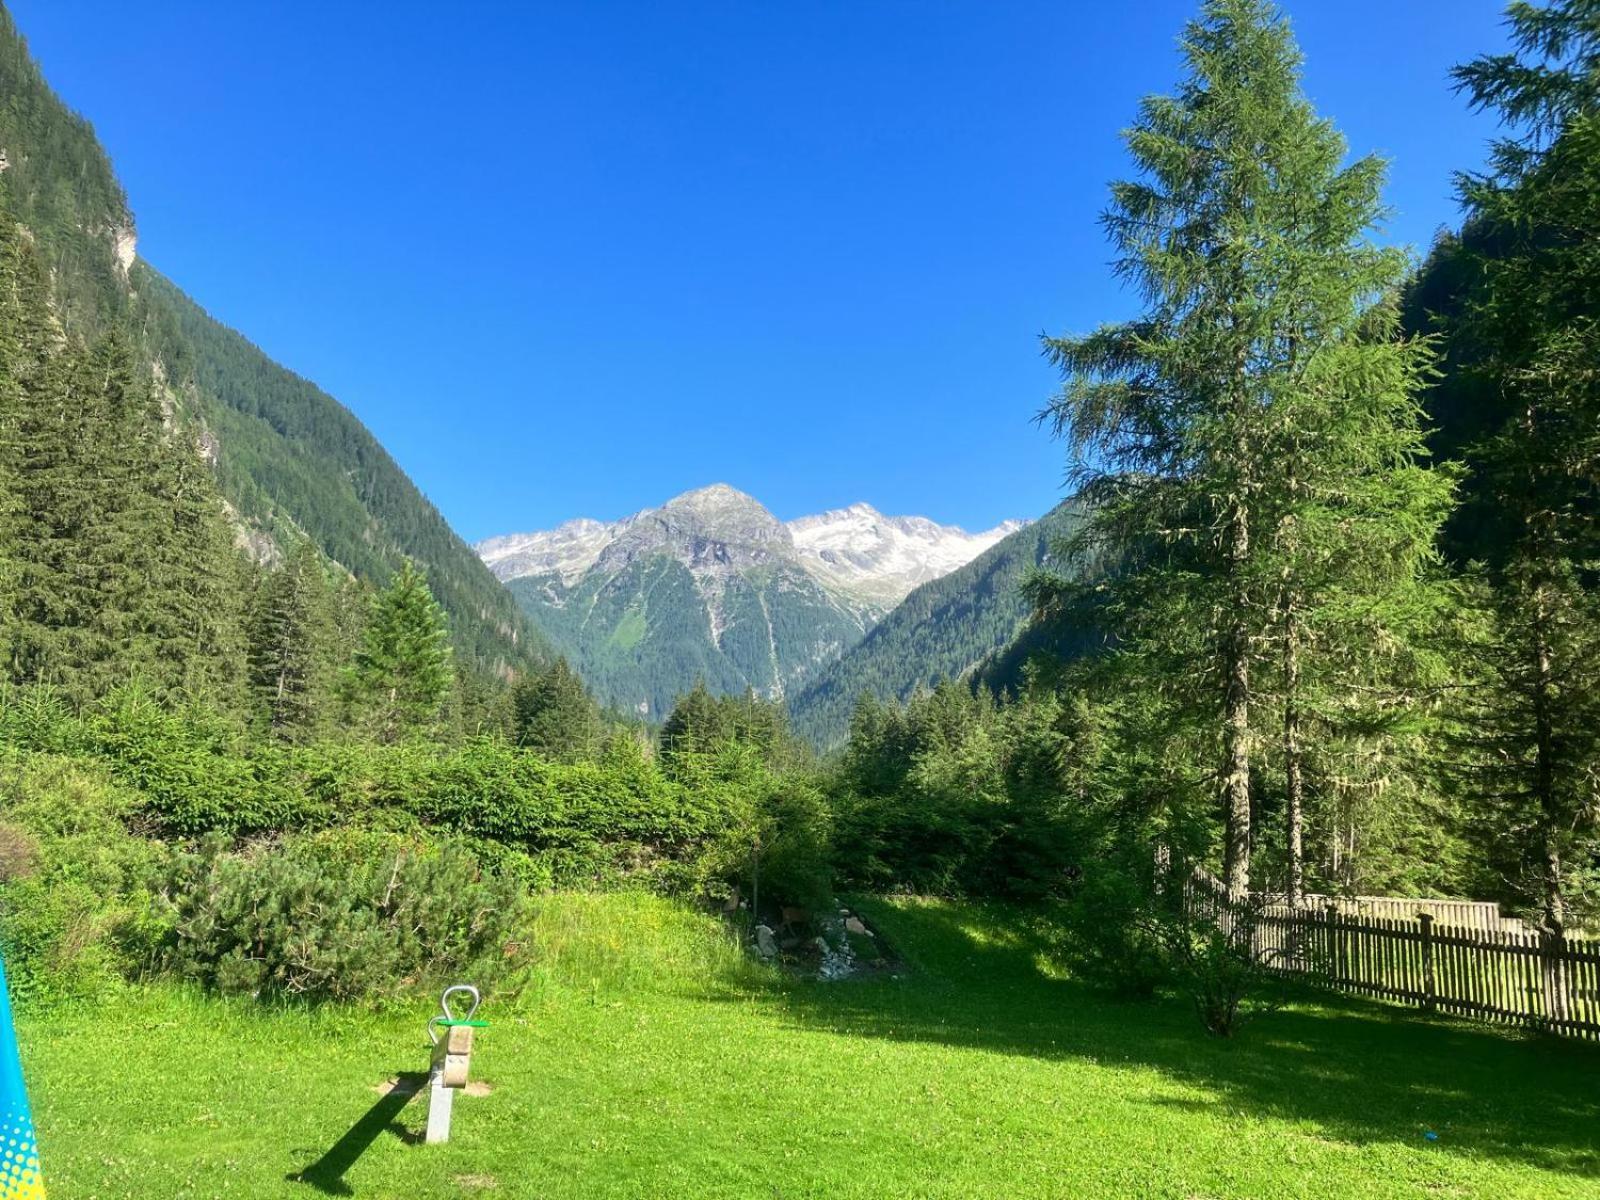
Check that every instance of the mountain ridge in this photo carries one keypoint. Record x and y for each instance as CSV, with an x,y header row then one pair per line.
x,y
710,586
291,460
858,550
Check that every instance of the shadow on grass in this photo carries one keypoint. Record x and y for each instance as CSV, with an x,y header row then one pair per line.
x,y
1364,1072
327,1173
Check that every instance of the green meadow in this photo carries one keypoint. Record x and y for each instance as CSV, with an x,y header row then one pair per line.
x,y
648,1057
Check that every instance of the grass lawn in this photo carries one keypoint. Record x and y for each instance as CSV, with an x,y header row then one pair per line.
x,y
649,1061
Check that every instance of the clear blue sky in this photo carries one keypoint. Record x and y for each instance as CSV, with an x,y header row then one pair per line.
x,y
570,259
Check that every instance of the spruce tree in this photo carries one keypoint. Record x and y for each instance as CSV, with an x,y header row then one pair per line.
x,y
555,715
1250,442
207,578
17,377
58,633
291,647
697,725
402,672
1531,331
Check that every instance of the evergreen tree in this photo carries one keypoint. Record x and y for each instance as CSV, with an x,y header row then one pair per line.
x,y
200,579
697,725
1250,441
291,648
402,672
1530,330
55,601
702,725
20,365
555,716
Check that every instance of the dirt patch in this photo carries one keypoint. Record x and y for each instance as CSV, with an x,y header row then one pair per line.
x,y
389,1085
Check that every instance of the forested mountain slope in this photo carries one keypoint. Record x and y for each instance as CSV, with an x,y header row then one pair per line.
x,y
940,631
288,456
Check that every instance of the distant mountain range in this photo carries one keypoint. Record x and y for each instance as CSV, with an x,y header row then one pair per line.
x,y
945,629
712,586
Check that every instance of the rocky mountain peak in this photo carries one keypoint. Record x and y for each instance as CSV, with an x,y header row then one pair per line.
x,y
869,560
712,528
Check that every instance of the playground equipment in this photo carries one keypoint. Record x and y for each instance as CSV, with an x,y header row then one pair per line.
x,y
452,1058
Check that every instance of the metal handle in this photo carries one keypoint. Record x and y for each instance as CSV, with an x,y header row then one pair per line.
x,y
444,1001
446,1013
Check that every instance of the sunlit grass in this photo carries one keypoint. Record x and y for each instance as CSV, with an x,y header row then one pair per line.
x,y
647,1057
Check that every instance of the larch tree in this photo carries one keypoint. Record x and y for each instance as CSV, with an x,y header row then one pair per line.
x,y
1250,442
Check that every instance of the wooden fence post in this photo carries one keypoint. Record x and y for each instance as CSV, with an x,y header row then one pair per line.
x,y
1333,943
1429,993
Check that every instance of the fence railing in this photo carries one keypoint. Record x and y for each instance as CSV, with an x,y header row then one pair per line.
x,y
1526,978
1511,974
1482,915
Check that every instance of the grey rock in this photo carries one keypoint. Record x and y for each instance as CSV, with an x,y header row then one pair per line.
x,y
766,944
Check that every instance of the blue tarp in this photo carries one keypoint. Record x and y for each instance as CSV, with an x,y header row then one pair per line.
x,y
19,1149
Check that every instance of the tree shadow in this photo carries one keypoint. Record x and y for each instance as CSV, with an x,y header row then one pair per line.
x,y
1364,1072
327,1173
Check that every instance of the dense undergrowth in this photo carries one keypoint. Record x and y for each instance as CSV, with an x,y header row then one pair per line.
x,y
139,841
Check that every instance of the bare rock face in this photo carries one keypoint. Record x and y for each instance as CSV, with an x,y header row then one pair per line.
x,y
712,530
125,245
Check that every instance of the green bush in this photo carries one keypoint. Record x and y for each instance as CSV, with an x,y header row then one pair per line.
x,y
74,882
1214,963
340,916
762,823
1110,940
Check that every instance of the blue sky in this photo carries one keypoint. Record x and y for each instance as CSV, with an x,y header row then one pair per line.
x,y
571,259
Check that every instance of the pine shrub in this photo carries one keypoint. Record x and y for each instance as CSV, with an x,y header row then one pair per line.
x,y
340,916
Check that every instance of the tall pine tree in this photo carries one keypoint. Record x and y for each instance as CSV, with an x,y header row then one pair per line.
x,y
1251,441
291,648
1531,332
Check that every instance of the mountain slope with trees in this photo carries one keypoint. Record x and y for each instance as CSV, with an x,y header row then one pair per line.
x,y
291,461
941,631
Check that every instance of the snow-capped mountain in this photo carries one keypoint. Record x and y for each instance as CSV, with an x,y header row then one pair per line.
x,y
567,550
858,551
711,585
880,559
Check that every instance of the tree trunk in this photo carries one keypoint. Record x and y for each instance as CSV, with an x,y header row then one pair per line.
x,y
1236,730
1294,777
1553,901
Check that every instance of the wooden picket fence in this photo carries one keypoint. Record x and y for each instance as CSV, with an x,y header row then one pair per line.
x,y
1484,915
1512,974
1522,977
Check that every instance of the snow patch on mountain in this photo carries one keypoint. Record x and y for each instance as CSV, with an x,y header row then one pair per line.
x,y
567,550
869,560
880,559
